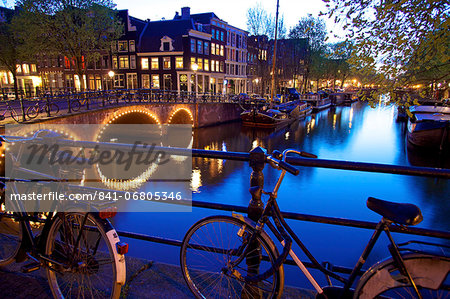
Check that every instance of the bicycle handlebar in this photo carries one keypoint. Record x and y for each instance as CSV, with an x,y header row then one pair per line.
x,y
278,159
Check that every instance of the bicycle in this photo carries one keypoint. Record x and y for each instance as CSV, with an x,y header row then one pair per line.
x,y
49,108
233,257
14,114
81,252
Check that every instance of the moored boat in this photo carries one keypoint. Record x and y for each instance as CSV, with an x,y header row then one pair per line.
x,y
429,127
318,101
280,116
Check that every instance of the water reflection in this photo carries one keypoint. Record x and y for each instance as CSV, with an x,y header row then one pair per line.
x,y
354,133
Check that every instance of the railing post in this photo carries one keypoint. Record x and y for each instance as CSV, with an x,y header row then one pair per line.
x,y
255,209
87,99
257,162
47,98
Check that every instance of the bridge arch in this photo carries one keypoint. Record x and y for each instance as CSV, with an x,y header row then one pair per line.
x,y
181,115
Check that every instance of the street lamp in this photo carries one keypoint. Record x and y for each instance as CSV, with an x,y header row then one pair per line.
x,y
111,75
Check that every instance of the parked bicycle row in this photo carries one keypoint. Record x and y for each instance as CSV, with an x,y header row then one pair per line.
x,y
67,103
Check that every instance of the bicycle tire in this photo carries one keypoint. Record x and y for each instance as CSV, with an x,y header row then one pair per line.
x,y
75,105
383,280
54,109
10,237
205,267
15,115
32,111
102,270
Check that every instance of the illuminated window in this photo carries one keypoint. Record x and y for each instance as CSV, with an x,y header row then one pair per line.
x,y
200,63
206,65
155,81
132,46
217,49
124,62
221,66
18,68
213,48
221,51
144,63
25,68
213,66
123,46
217,65
179,62
33,68
145,81
119,80
166,63
115,63
155,63
193,61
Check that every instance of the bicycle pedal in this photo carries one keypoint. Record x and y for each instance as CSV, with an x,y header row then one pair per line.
x,y
31,267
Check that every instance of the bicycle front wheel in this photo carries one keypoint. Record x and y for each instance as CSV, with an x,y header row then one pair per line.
x,y
10,237
88,265
53,109
428,272
213,265
75,105
32,111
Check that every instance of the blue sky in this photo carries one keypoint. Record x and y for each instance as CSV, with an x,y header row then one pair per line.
x,y
232,11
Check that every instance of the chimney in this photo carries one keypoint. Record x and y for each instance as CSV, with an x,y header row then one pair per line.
x,y
185,13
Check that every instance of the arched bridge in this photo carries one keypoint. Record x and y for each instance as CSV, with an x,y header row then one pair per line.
x,y
128,107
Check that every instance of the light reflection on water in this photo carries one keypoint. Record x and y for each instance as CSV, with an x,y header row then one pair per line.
x,y
356,133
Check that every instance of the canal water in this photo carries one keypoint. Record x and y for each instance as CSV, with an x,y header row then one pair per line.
x,y
351,133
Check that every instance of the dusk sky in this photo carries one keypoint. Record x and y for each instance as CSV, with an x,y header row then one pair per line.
x,y
232,11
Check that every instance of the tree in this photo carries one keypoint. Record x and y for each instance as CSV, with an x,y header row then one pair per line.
x,y
9,49
314,29
402,38
260,22
78,29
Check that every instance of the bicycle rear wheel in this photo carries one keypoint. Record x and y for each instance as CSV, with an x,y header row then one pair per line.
x,y
93,269
384,280
209,248
10,237
33,111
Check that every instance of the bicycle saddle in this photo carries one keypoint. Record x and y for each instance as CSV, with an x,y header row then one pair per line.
x,y
401,213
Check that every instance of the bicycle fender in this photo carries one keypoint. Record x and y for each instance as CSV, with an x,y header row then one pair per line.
x,y
252,224
113,239
422,267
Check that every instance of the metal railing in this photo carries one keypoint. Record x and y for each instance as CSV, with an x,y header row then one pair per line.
x,y
70,102
257,160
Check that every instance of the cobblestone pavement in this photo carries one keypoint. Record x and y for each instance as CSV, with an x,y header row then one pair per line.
x,y
145,279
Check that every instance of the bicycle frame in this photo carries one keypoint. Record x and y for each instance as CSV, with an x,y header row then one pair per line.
x,y
283,233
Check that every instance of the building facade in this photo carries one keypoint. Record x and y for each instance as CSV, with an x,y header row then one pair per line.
x,y
193,52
